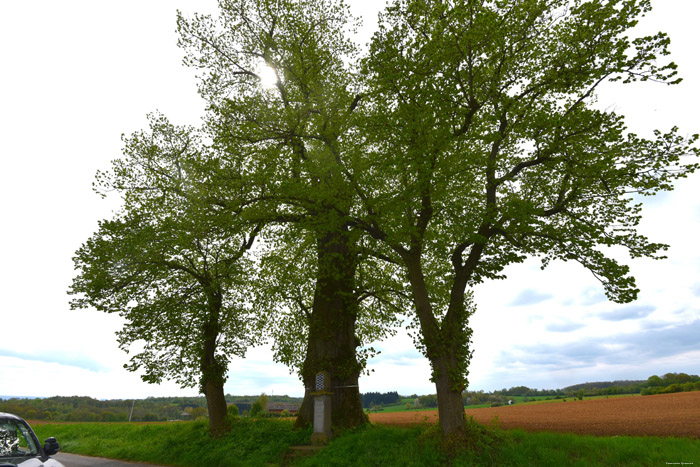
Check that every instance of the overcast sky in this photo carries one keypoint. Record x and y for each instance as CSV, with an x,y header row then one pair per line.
x,y
75,75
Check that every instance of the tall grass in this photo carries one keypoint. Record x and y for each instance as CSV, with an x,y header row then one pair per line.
x,y
264,443
421,446
251,442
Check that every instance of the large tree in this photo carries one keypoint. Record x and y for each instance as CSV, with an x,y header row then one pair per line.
x,y
295,132
485,146
173,268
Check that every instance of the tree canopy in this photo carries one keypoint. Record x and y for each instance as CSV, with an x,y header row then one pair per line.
x,y
468,138
293,136
174,268
485,147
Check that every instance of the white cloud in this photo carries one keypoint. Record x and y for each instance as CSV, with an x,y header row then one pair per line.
x,y
530,297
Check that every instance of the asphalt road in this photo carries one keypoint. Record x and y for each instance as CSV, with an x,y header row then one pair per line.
x,y
72,460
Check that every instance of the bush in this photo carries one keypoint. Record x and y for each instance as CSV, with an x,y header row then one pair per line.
x,y
428,401
256,409
672,388
232,410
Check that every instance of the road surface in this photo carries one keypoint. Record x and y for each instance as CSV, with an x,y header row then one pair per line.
x,y
72,460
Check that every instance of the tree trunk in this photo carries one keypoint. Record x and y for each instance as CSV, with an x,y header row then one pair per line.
x,y
450,406
219,424
332,341
214,372
446,345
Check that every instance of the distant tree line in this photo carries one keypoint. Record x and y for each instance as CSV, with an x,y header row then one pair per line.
x,y
379,398
671,382
525,391
87,409
668,383
428,401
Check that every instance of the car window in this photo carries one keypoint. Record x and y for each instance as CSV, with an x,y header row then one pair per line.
x,y
15,440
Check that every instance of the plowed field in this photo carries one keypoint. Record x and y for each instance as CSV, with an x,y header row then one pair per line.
x,y
660,415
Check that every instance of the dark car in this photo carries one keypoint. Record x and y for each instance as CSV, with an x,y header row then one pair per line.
x,y
20,447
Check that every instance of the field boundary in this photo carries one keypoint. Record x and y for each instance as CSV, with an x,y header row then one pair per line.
x,y
676,414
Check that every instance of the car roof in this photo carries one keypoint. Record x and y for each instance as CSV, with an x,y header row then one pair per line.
x,y
9,416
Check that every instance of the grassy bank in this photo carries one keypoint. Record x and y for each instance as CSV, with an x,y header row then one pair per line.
x,y
252,442
265,442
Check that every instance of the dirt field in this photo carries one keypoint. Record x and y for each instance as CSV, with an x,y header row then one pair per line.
x,y
660,415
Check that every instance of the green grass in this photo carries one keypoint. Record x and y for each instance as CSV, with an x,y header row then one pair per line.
x,y
252,442
264,443
420,446
550,449
401,408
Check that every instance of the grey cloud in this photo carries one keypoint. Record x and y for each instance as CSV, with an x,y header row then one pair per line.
x,y
530,297
631,348
655,325
627,312
564,327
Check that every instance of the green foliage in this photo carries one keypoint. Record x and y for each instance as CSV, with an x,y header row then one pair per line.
x,y
197,413
257,409
466,140
379,398
232,410
282,149
174,268
428,401
671,388
499,153
84,409
655,381
264,401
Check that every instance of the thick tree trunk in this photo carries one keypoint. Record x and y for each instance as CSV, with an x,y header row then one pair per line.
x,y
214,372
450,406
219,424
332,341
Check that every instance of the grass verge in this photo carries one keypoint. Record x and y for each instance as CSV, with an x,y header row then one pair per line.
x,y
251,442
264,443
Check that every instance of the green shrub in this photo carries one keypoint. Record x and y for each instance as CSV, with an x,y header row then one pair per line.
x,y
256,410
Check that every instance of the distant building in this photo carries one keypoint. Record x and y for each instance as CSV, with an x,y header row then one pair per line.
x,y
278,407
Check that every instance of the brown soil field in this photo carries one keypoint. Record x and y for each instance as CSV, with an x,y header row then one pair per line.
x,y
659,415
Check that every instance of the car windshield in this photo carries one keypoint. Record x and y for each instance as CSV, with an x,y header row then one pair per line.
x,y
15,440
